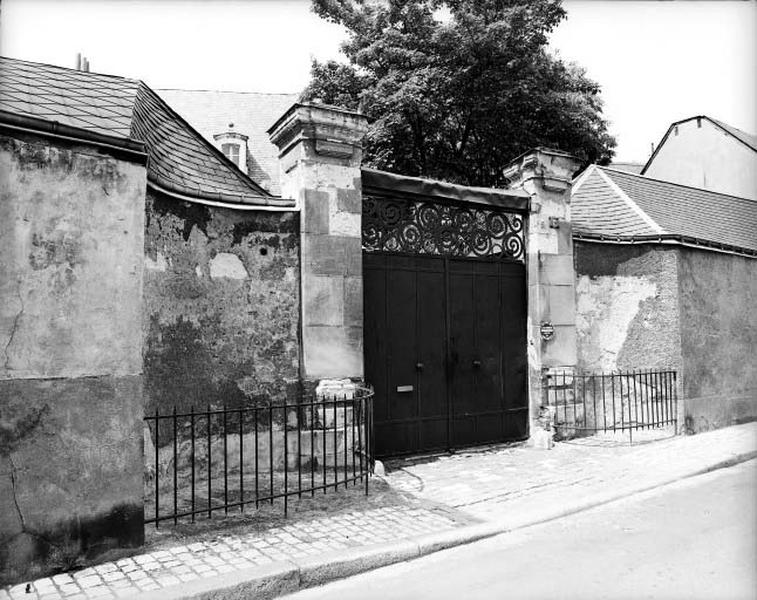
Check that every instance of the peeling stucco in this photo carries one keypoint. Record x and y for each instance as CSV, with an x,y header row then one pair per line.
x,y
227,265
627,312
605,308
159,263
221,321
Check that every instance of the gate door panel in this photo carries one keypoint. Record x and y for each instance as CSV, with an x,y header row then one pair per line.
x,y
515,365
405,346
445,324
488,363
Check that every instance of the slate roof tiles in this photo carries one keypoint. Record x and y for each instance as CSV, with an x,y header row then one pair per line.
x,y
746,138
90,101
252,113
180,160
616,204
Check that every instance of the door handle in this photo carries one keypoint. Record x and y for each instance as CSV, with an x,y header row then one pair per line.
x,y
419,366
477,364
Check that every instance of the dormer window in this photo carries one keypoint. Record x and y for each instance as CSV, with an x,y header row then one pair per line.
x,y
231,151
234,147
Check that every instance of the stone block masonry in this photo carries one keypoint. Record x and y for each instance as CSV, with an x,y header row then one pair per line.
x,y
546,175
72,230
319,154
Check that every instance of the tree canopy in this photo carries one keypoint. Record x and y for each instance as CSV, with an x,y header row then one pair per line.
x,y
455,89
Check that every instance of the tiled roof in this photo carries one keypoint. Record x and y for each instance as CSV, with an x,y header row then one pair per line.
x,y
98,103
597,207
616,204
180,159
747,138
631,167
210,112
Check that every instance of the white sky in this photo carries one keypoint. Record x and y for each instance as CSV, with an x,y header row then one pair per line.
x,y
657,62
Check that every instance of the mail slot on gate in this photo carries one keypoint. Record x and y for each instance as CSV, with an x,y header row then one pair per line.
x,y
404,388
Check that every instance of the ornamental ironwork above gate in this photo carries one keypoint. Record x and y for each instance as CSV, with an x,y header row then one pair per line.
x,y
427,227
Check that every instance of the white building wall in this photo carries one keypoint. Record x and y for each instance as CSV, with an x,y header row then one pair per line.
x,y
704,156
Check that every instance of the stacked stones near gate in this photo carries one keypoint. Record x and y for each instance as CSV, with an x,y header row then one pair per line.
x,y
72,231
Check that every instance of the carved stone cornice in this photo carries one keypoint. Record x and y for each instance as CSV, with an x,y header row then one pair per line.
x,y
330,131
552,169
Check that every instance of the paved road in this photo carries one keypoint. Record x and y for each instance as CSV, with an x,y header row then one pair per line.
x,y
693,539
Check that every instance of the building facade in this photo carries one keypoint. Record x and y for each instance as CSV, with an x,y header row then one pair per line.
x,y
708,154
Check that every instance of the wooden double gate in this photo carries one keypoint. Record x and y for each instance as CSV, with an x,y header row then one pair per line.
x,y
445,324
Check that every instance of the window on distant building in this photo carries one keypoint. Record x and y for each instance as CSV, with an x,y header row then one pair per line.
x,y
234,146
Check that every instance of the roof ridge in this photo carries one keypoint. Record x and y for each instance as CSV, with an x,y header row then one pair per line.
x,y
31,62
229,92
722,124
680,185
630,202
578,181
729,129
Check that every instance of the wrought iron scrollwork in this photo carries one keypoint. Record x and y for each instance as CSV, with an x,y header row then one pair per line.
x,y
425,227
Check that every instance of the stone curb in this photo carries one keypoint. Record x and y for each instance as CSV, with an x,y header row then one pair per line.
x,y
286,577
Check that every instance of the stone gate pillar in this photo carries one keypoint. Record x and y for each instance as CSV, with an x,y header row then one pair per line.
x,y
546,175
320,150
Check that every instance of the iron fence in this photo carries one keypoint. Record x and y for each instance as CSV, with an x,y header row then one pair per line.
x,y
587,403
217,459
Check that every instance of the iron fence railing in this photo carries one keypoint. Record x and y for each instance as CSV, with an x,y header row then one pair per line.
x,y
587,403
205,461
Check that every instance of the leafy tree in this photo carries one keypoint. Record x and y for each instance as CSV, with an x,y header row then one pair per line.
x,y
455,89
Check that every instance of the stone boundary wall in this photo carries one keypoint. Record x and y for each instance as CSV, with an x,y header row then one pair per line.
x,y
72,230
717,297
221,306
688,309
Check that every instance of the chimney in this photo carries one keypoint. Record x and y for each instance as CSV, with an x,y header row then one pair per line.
x,y
82,63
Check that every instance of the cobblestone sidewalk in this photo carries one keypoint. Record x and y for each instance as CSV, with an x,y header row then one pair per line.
x,y
503,483
495,484
130,576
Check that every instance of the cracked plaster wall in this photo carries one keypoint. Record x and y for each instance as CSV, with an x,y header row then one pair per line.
x,y
72,227
221,305
627,313
683,308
